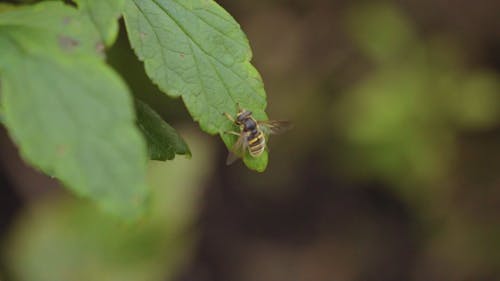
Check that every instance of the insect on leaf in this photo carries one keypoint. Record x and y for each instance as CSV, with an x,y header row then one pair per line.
x,y
197,51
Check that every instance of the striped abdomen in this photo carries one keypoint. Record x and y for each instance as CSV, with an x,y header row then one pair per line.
x,y
256,143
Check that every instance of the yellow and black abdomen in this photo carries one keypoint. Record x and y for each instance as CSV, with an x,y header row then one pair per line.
x,y
256,143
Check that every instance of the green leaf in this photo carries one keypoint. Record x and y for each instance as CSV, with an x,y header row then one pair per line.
x,y
163,141
51,27
196,50
105,15
71,115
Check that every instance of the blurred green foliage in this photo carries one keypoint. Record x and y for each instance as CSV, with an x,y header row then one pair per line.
x,y
403,124
380,31
104,14
401,121
61,239
5,7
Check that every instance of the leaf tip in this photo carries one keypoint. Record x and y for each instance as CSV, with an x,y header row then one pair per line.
x,y
258,164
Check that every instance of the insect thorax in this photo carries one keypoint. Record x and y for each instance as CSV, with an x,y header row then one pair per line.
x,y
249,124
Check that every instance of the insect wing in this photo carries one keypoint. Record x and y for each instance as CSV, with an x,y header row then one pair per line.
x,y
238,150
275,127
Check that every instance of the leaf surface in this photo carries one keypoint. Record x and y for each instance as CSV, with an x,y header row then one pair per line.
x,y
50,27
104,14
163,141
70,114
197,51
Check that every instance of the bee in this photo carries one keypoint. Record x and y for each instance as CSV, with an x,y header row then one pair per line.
x,y
253,134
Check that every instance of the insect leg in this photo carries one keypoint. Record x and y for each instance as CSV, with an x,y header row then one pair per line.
x,y
232,133
229,117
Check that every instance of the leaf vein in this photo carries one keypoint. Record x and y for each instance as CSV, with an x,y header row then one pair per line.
x,y
188,35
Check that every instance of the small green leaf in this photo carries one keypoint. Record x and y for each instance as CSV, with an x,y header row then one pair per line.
x,y
163,141
105,15
71,115
196,50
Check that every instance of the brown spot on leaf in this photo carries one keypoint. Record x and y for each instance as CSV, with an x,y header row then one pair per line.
x,y
67,20
142,35
61,150
67,43
100,48
182,55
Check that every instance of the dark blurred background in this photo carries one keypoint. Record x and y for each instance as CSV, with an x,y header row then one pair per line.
x,y
391,173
